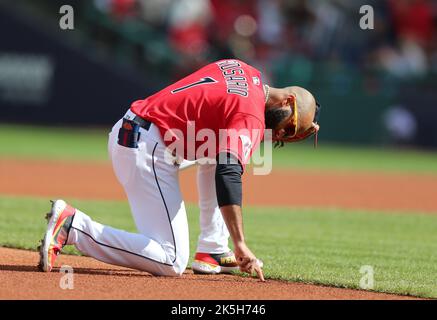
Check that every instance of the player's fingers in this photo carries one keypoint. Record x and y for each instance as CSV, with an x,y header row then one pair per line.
x,y
244,262
259,271
245,268
255,267
251,269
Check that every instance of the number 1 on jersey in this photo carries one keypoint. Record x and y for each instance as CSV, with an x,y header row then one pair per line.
x,y
206,80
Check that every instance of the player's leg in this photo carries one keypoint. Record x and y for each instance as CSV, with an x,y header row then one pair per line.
x,y
214,234
213,254
152,188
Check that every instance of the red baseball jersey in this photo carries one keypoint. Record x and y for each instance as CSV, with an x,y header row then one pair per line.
x,y
217,108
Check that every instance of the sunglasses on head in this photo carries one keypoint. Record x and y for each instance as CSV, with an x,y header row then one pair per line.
x,y
292,130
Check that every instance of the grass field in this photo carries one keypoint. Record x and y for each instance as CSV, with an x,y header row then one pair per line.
x,y
318,246
90,144
312,246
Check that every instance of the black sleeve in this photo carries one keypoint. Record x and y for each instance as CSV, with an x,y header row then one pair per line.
x,y
228,180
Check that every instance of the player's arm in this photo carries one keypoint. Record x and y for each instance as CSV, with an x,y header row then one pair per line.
x,y
229,198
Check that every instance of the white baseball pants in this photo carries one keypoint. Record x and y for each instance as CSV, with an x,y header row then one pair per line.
x,y
161,245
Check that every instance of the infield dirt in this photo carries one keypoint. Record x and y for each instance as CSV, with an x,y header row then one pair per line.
x,y
20,279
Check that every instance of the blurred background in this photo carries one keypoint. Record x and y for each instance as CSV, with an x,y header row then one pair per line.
x,y
377,87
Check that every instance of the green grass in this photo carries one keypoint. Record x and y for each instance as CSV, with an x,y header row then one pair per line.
x,y
313,246
53,143
303,155
90,144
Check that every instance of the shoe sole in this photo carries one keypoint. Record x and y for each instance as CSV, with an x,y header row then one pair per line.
x,y
200,267
58,207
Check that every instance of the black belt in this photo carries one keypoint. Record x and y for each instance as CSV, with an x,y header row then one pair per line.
x,y
145,124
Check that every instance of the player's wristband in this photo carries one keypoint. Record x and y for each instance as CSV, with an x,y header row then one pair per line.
x,y
228,181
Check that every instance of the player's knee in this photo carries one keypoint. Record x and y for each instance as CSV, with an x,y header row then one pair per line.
x,y
174,270
178,271
180,265
171,271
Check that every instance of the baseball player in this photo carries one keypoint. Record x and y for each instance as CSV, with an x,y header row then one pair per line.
x,y
225,103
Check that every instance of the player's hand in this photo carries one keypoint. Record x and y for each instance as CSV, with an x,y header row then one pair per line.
x,y
247,261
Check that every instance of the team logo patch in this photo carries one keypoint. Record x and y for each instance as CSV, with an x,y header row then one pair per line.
x,y
127,126
256,81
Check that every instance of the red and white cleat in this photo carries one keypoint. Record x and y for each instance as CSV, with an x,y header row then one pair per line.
x,y
60,220
207,263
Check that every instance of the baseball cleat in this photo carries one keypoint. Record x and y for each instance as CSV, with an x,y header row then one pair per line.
x,y
59,220
206,263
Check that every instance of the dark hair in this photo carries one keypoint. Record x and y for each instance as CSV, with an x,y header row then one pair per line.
x,y
274,116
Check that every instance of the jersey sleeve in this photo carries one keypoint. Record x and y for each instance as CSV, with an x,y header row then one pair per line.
x,y
242,136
